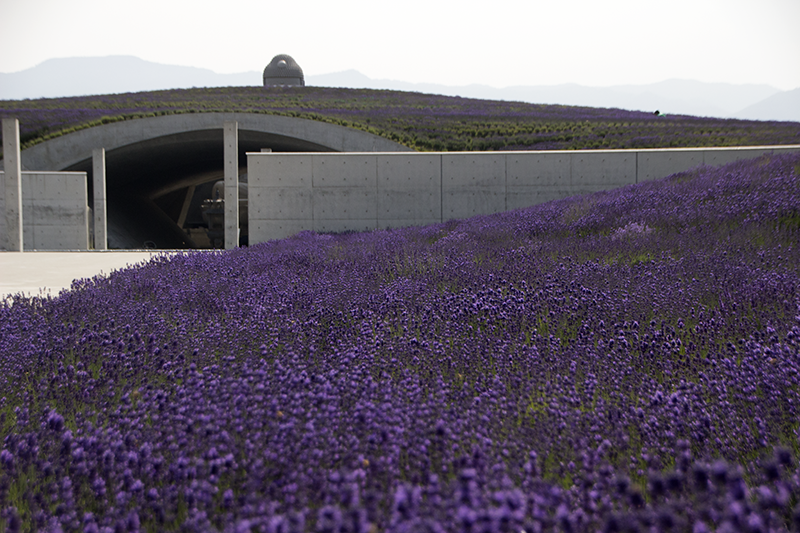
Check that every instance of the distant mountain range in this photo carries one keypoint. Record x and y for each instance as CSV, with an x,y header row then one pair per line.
x,y
120,74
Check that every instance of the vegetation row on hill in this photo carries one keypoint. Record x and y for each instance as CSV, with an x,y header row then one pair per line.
x,y
421,121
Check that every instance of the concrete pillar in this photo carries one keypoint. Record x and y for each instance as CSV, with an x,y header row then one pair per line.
x,y
13,184
99,203
231,139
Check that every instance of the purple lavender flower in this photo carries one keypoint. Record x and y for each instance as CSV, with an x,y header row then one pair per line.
x,y
531,373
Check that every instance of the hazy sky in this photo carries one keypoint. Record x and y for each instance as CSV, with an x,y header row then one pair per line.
x,y
499,43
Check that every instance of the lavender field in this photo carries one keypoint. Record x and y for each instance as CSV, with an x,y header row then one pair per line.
x,y
420,121
625,361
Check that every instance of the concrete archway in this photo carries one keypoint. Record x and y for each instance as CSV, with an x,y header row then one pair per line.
x,y
158,166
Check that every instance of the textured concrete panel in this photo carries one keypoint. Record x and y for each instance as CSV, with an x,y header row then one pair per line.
x,y
519,197
279,170
607,168
54,210
345,170
34,186
473,169
326,225
580,191
409,186
538,169
55,186
406,222
268,230
341,203
410,203
47,237
656,164
27,237
472,201
404,171
53,213
522,197
281,204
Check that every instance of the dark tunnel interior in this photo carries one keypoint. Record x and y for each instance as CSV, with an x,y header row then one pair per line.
x,y
155,189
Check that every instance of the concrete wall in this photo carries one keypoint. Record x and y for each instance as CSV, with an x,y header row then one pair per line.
x,y
55,211
292,192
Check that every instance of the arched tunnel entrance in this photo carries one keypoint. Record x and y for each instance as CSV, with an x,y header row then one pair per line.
x,y
160,170
155,188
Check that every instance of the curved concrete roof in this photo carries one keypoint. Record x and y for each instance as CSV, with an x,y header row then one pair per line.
x,y
279,132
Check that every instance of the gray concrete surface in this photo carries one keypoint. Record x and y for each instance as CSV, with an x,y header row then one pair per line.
x,y
231,155
43,273
99,205
55,211
13,236
292,192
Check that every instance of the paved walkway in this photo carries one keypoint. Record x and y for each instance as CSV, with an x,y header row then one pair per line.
x,y
41,273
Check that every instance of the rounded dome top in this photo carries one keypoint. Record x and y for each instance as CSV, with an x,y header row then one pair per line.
x,y
283,70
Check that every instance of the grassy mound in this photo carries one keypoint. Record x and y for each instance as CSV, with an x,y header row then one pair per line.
x,y
420,121
618,361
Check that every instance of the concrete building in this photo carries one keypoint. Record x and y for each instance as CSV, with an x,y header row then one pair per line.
x,y
161,170
283,70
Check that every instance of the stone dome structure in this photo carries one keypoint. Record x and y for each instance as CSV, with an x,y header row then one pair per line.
x,y
283,70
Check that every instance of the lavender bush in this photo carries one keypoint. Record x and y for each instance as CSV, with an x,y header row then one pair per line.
x,y
420,121
624,361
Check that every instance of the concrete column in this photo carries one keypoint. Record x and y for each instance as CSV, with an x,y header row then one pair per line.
x,y
231,139
99,204
13,184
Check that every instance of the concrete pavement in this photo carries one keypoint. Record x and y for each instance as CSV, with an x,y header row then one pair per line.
x,y
42,273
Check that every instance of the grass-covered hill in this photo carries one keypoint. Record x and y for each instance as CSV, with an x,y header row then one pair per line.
x,y
623,361
420,121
